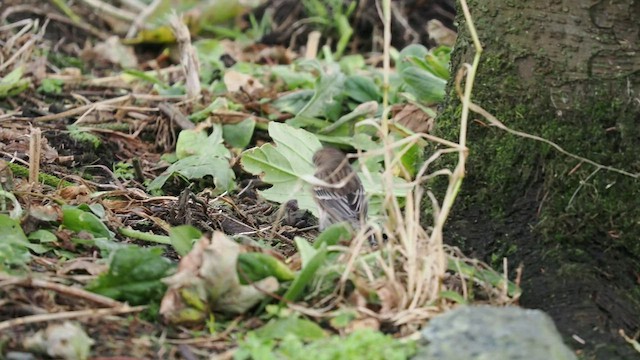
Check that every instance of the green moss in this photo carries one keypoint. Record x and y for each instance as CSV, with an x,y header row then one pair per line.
x,y
579,206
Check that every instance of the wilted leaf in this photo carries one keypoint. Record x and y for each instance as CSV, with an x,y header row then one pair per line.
x,y
61,341
207,280
236,81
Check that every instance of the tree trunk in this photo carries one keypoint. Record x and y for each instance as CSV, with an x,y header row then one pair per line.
x,y
567,71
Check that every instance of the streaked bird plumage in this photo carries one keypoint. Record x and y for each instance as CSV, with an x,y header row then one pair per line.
x,y
342,203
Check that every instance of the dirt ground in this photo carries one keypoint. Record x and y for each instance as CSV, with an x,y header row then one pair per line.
x,y
586,297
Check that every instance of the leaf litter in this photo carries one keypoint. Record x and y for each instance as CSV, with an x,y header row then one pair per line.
x,y
132,152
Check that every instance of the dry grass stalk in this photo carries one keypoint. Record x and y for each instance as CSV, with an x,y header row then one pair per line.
x,y
413,262
188,57
35,146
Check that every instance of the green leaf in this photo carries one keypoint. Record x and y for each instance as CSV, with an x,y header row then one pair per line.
x,y
239,135
195,143
51,86
489,276
77,220
293,103
333,235
362,89
306,275
350,64
14,244
287,164
146,76
43,236
306,250
453,296
200,155
13,83
182,238
410,55
284,164
293,79
255,266
134,276
425,86
328,91
291,325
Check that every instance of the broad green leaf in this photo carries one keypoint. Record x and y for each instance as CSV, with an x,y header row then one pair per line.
x,y
14,244
426,87
182,238
328,91
291,325
200,155
284,164
293,103
197,167
134,276
287,164
43,236
77,220
362,89
194,143
293,79
239,135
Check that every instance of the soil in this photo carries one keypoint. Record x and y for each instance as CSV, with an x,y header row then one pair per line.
x,y
585,295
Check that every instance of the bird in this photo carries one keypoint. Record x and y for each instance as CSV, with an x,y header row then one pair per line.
x,y
346,200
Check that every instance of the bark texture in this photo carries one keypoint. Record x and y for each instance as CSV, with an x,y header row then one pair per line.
x,y
568,71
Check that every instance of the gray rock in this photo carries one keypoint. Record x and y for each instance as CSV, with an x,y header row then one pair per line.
x,y
492,333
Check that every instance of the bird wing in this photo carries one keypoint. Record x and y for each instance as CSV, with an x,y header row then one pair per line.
x,y
350,207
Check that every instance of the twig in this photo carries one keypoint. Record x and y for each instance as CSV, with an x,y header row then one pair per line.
x,y
5,325
175,115
7,280
140,19
111,10
497,123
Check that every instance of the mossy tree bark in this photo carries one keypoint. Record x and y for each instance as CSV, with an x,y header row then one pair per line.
x,y
568,71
